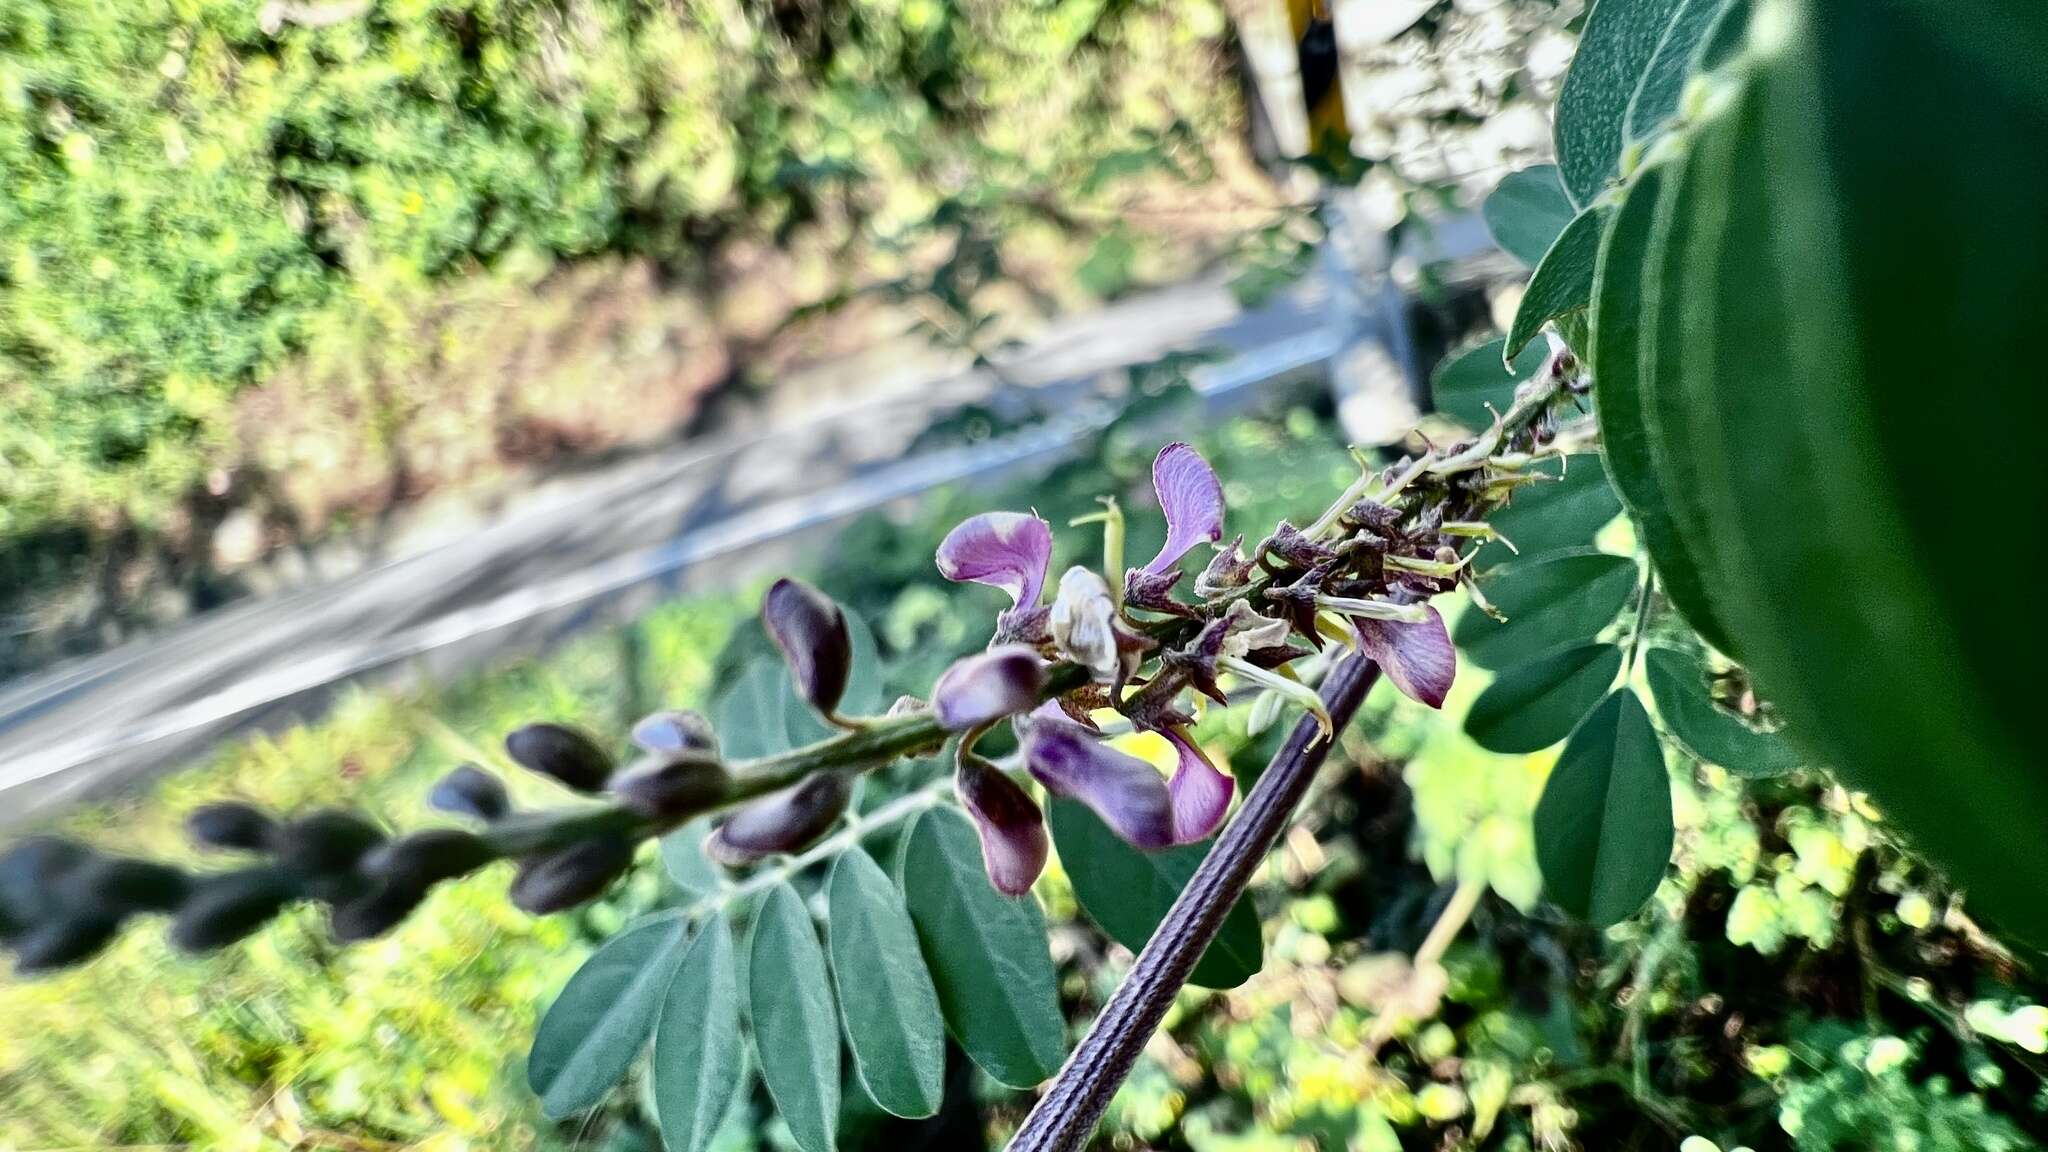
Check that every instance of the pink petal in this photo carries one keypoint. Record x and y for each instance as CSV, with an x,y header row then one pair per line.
x,y
1201,793
1129,794
1191,498
1417,657
1013,842
1007,550
984,688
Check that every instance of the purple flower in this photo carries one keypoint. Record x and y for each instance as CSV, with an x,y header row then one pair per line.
x,y
1201,794
1007,550
1191,498
985,688
1013,844
1129,794
1417,657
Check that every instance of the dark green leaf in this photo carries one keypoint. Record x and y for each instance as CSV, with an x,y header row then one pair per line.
x,y
1678,683
1725,37
1566,512
1550,601
1656,96
986,952
1531,706
1562,286
893,1025
1128,892
1526,211
748,715
698,1060
682,855
1472,386
1603,827
796,1028
602,1019
1619,40
1107,270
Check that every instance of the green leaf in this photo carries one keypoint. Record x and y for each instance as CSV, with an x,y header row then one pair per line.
x,y
1566,512
1128,892
986,952
602,1019
1656,96
699,1063
1603,827
1618,42
1107,270
682,855
1724,38
796,1028
1531,706
1550,601
1678,682
863,695
1562,286
1472,387
893,1025
748,715
1526,211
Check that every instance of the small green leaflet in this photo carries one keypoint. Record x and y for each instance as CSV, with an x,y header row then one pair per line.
x,y
1565,511
1656,96
893,1026
698,1060
796,1028
1534,705
1128,892
748,715
1550,601
1107,270
1724,37
986,952
1526,211
1678,682
1472,387
1603,827
1618,42
1562,286
682,855
602,1019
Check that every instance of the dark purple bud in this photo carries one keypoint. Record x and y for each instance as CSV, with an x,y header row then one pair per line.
x,y
471,791
1013,840
784,822
1129,794
558,881
811,631
31,877
374,913
114,886
426,858
984,688
1201,793
62,943
562,753
223,909
1007,550
1191,498
1153,591
325,842
231,825
674,733
1294,547
1228,569
673,789
1417,657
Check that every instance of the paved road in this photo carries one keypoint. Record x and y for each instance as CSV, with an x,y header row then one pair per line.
x,y
613,541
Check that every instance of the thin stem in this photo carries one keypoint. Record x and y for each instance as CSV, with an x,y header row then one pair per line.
x,y
1645,595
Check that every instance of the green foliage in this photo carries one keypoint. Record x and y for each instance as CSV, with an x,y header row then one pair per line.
x,y
699,1062
794,1018
1711,733
893,1026
1603,829
1526,211
1567,509
1535,704
1616,49
1549,601
1472,388
1562,287
599,1023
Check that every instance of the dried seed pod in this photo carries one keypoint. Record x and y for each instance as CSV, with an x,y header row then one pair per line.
x,y
424,859
681,786
223,909
783,822
325,842
31,874
63,942
811,631
231,825
376,912
674,733
561,880
562,753
114,886
471,791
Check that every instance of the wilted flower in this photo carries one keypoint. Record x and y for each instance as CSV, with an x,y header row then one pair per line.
x,y
986,687
1417,657
1229,568
1013,841
783,822
1129,794
1083,622
811,631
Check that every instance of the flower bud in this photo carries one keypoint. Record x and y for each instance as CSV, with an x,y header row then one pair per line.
x,y
325,842
563,753
31,873
63,942
783,822
1013,840
675,732
575,875
471,791
811,631
681,786
114,886
984,688
371,915
424,859
1083,622
231,825
223,909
